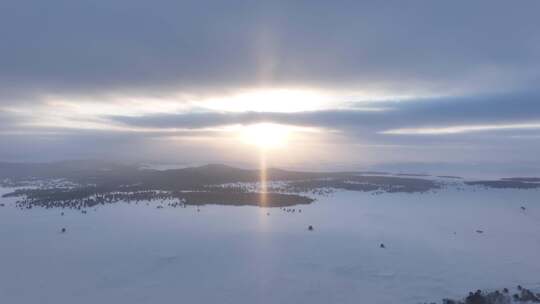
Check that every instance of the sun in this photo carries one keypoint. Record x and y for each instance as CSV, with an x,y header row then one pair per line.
x,y
265,135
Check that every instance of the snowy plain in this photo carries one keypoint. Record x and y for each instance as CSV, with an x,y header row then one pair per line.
x,y
127,253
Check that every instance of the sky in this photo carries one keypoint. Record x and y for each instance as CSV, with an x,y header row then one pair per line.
x,y
309,84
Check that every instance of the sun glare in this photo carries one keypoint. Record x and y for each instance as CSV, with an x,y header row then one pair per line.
x,y
265,135
272,100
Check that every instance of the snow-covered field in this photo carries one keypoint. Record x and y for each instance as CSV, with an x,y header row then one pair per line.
x,y
125,253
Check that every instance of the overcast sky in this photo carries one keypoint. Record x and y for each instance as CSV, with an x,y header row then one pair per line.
x,y
353,82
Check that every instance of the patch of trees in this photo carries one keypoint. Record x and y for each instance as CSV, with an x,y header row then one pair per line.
x,y
87,197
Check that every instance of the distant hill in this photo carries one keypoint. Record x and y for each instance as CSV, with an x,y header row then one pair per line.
x,y
112,174
109,175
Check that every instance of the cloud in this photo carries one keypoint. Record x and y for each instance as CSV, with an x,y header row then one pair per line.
x,y
141,47
422,116
463,129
